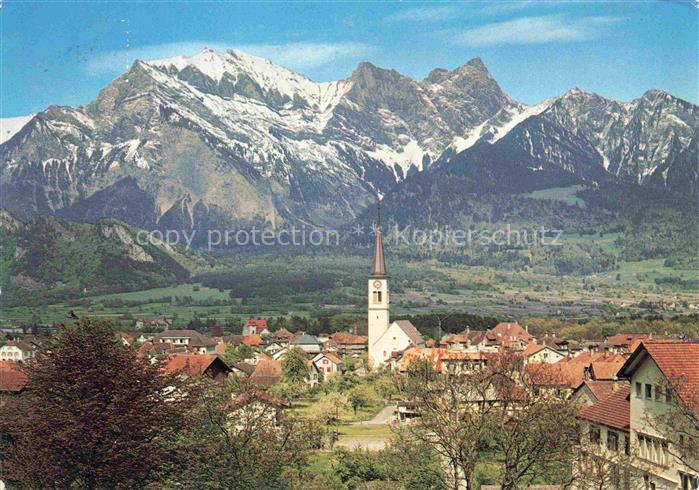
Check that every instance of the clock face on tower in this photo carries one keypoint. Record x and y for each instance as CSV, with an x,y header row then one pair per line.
x,y
377,284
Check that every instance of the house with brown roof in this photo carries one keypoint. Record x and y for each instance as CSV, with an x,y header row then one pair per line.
x,y
12,379
622,342
282,336
507,336
328,364
537,353
468,340
256,326
268,372
591,391
17,351
191,340
348,343
197,365
655,419
256,405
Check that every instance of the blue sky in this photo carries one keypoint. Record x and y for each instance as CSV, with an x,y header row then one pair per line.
x,y
64,52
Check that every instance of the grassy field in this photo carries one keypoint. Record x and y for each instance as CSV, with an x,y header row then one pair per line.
x,y
563,194
418,287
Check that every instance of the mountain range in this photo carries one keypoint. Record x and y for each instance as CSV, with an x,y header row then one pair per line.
x,y
223,139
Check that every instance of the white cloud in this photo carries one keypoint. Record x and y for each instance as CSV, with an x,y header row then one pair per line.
x,y
425,14
535,30
298,56
307,55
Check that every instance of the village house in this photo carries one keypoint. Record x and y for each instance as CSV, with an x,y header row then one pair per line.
x,y
468,340
268,372
17,351
328,364
592,391
255,327
192,340
348,344
506,336
282,337
623,342
308,343
12,379
256,405
537,353
197,365
653,419
160,323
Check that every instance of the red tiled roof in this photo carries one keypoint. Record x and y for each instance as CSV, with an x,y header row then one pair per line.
x,y
679,362
282,334
12,378
435,356
509,330
605,369
348,338
252,340
192,364
613,411
332,357
532,349
22,345
626,339
600,388
569,375
267,372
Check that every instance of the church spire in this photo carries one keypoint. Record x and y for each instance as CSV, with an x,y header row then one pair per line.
x,y
378,266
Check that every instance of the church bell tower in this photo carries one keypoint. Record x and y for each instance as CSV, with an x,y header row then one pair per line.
x,y
378,300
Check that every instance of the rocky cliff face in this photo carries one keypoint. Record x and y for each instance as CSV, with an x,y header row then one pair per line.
x,y
227,138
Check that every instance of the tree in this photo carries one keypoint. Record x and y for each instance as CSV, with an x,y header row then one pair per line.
x,y
358,397
93,415
238,354
535,432
241,444
454,420
294,366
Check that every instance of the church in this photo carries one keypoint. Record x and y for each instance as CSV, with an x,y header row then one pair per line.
x,y
385,337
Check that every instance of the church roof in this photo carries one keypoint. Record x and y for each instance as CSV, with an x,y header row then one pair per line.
x,y
410,330
378,265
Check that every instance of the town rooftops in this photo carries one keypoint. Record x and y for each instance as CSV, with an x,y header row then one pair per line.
x,y
12,377
346,338
305,340
21,345
679,362
196,339
599,388
194,364
626,339
613,411
268,372
532,349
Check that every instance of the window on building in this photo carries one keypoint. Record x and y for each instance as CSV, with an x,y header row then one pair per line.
x,y
668,394
639,390
594,434
627,446
658,393
649,391
612,441
377,297
688,482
